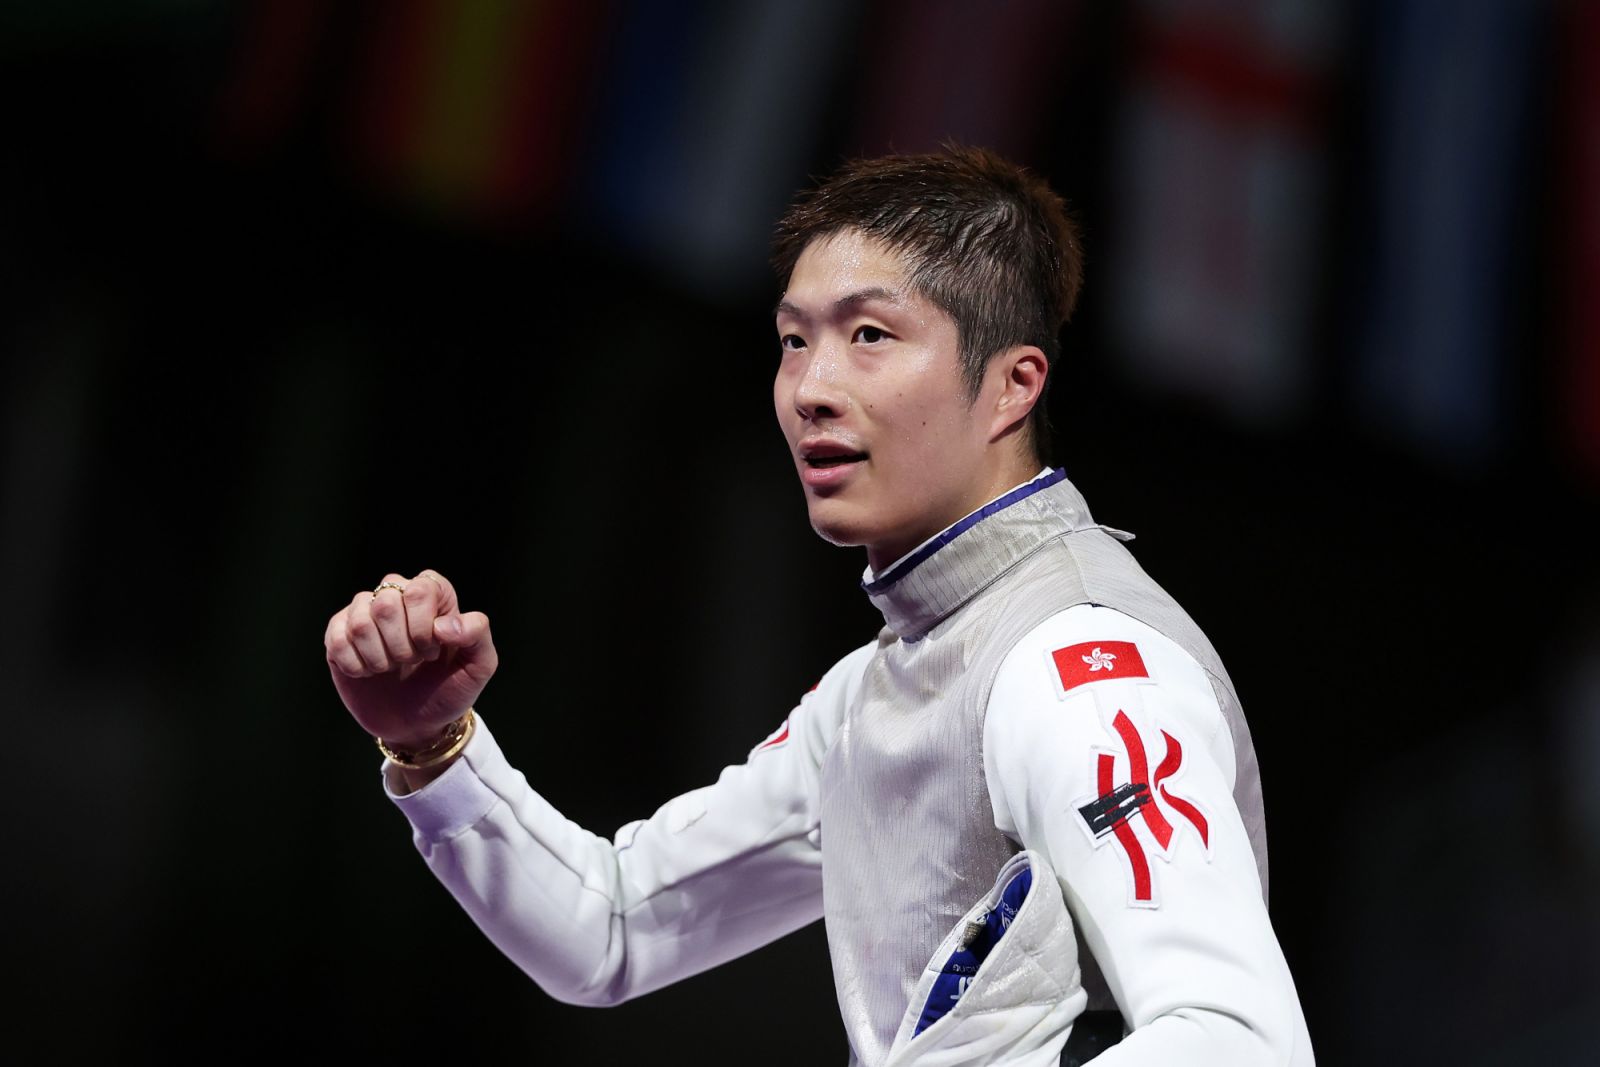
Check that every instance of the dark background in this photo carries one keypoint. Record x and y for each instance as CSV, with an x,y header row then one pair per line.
x,y
297,294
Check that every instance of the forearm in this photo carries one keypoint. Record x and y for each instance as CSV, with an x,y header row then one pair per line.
x,y
710,876
569,919
545,894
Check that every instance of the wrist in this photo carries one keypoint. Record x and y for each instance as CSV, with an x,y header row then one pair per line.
x,y
431,754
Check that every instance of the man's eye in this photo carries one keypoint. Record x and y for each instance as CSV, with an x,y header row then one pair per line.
x,y
791,342
869,335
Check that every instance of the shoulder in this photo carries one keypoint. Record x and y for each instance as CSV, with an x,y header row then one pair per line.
x,y
1059,691
816,716
837,688
1089,648
844,677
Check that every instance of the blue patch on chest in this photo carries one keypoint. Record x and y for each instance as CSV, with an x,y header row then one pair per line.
x,y
958,971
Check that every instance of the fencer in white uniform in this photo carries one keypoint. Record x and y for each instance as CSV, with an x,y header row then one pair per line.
x,y
1030,800
1108,768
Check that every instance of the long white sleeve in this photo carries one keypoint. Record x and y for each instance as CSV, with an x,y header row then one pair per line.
x,y
713,874
1106,752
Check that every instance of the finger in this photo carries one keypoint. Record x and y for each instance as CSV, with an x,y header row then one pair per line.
x,y
389,616
341,653
364,634
447,592
421,601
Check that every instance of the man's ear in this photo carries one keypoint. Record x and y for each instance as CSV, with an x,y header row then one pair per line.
x,y
1016,378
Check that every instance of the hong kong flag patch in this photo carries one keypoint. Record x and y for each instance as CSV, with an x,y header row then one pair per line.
x,y
1097,661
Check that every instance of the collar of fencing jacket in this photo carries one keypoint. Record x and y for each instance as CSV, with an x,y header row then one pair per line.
x,y
950,568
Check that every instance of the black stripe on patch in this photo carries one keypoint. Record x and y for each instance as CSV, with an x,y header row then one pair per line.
x,y
1104,814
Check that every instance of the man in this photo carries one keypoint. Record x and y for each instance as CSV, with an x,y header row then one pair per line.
x,y
1032,791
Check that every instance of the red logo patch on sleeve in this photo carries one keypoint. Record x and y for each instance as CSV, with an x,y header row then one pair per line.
x,y
1097,661
1148,795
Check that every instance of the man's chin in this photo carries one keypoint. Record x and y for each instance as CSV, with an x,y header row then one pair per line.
x,y
836,526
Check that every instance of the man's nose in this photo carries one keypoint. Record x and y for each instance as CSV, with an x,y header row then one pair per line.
x,y
817,393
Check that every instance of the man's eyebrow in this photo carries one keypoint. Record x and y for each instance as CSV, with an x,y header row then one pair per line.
x,y
844,303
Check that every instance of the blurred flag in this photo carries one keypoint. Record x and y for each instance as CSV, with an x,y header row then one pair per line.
x,y
980,74
1217,196
1451,104
477,107
708,118
474,109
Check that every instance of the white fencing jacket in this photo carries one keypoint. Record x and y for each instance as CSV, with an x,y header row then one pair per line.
x,y
1119,789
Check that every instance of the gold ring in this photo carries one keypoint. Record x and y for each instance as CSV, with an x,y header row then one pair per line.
x,y
388,585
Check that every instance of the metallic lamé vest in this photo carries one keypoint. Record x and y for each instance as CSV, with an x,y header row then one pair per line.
x,y
908,835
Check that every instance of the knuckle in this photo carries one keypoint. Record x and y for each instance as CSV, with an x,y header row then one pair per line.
x,y
361,627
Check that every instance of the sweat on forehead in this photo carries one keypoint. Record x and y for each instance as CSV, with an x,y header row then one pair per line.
x,y
860,271
855,298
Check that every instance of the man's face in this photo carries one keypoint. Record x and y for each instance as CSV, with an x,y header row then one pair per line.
x,y
870,397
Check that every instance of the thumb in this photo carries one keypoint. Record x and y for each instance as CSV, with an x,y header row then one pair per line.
x,y
464,631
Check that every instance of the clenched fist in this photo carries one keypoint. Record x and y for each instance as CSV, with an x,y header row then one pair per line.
x,y
407,662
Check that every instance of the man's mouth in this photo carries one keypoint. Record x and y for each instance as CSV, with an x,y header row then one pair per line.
x,y
828,461
835,461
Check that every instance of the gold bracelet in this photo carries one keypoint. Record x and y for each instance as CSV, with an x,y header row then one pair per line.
x,y
455,738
